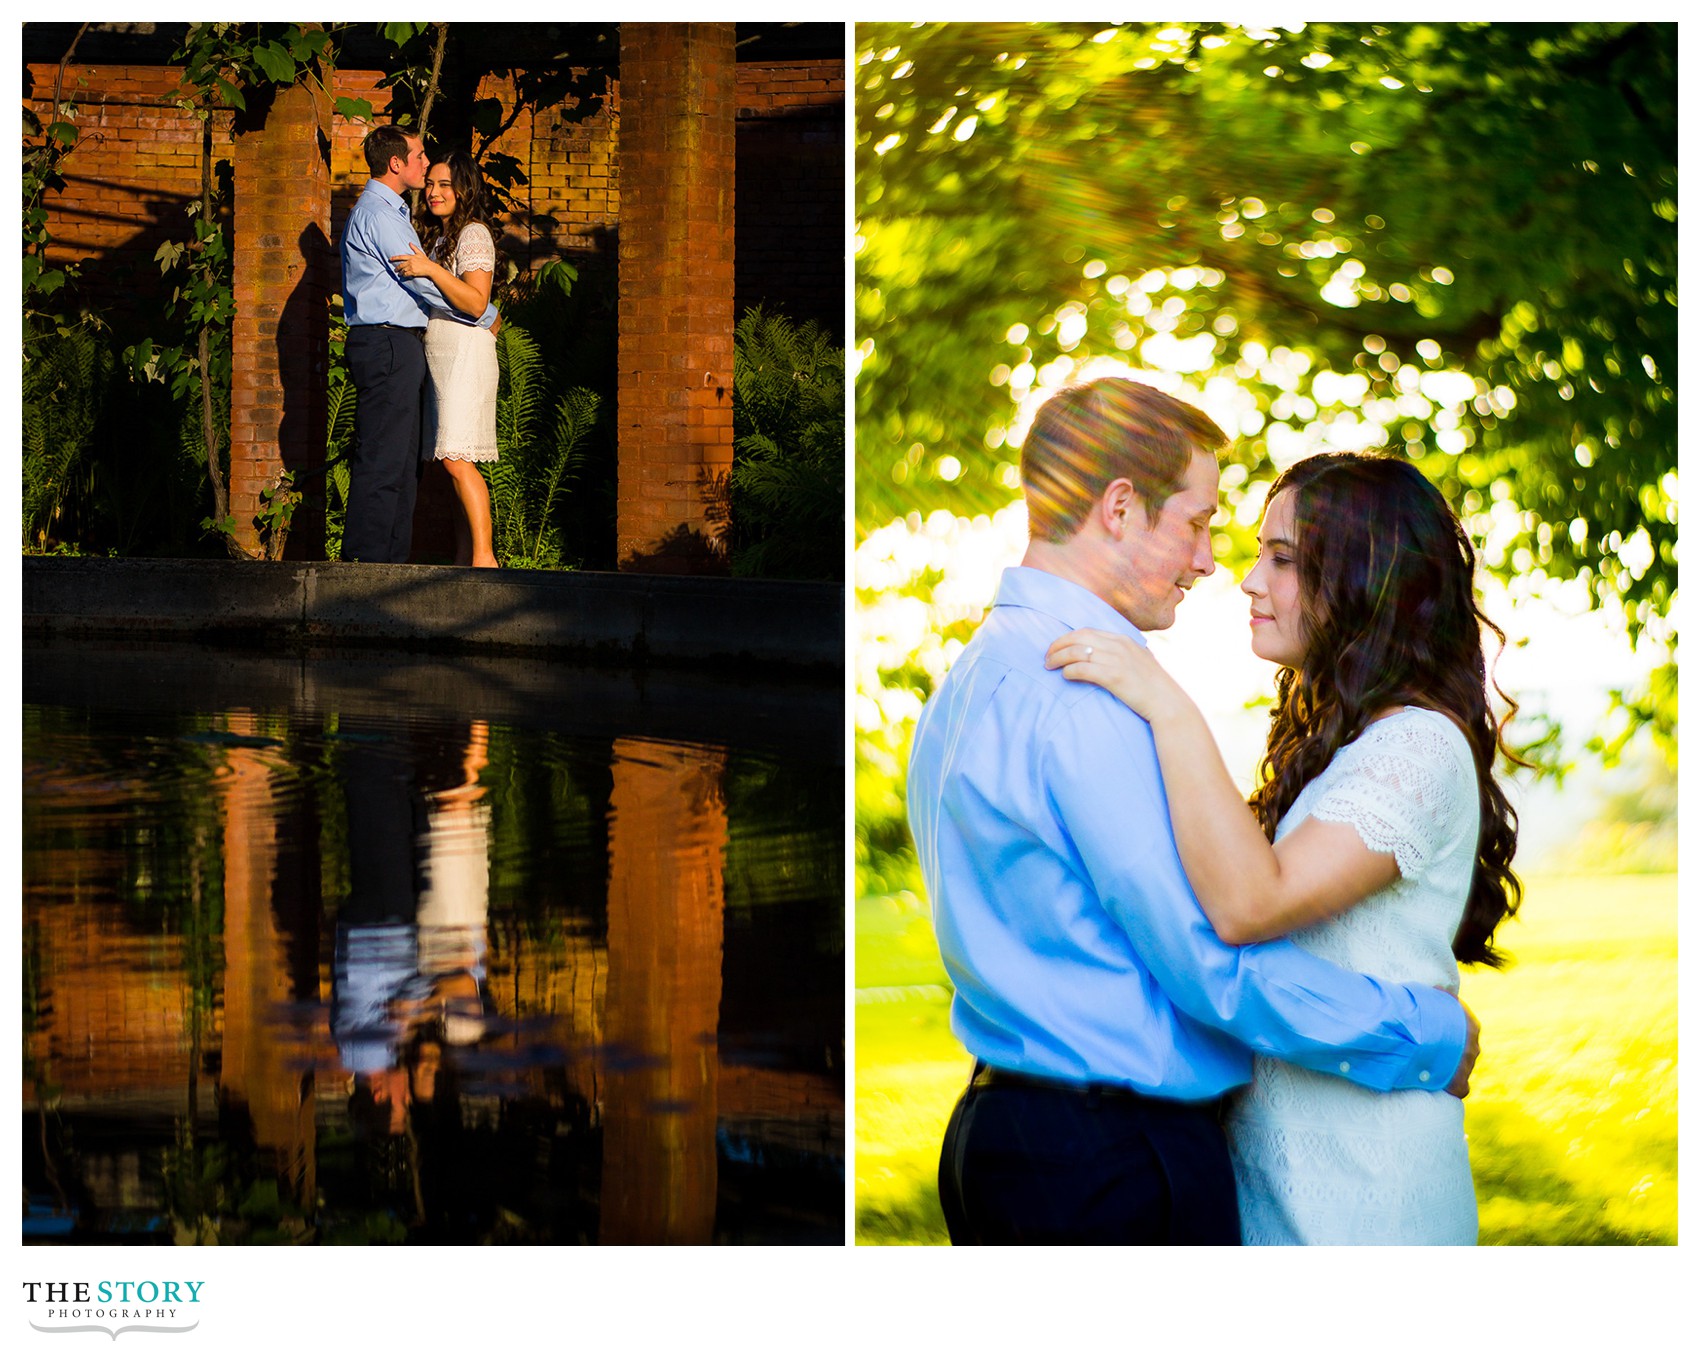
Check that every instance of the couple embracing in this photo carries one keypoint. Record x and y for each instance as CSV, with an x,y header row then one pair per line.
x,y
421,346
1194,1020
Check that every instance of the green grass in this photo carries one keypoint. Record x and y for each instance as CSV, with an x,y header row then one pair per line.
x,y
1571,1117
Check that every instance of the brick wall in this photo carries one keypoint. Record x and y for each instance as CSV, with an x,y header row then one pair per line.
x,y
791,204
137,167
134,171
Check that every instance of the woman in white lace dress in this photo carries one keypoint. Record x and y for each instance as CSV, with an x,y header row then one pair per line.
x,y
1378,838
460,258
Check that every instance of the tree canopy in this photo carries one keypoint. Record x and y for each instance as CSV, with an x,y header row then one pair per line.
x,y
1454,241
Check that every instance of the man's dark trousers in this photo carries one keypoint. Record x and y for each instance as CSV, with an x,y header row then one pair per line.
x,y
387,364
1027,1162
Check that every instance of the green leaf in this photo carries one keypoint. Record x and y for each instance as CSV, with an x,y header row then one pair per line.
x,y
353,108
232,95
32,267
557,273
274,59
399,34
64,133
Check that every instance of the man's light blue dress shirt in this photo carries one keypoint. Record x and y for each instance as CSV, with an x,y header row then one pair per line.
x,y
1065,920
373,293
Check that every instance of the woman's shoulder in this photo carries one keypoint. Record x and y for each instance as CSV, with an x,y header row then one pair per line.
x,y
1423,732
474,233
1409,776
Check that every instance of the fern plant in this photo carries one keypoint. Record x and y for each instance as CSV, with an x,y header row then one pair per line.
x,y
64,386
787,482
339,436
542,445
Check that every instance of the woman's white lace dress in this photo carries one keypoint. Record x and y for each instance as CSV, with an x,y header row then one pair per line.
x,y
1319,1160
461,410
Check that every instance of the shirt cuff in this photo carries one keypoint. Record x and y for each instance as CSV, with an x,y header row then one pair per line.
x,y
1440,1049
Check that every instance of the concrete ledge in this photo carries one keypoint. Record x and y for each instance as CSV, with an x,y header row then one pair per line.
x,y
743,625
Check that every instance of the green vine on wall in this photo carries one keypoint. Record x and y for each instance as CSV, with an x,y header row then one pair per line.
x,y
65,368
224,64
41,177
42,160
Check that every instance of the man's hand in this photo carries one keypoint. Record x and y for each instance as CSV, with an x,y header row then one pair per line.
x,y
1460,1084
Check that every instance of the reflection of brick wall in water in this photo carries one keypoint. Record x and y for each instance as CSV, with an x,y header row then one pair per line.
x,y
117,1022
117,1014
562,982
137,167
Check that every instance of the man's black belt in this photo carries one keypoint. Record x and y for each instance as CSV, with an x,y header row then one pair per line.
x,y
989,1076
418,331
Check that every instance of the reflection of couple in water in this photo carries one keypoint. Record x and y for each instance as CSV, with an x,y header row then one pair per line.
x,y
409,972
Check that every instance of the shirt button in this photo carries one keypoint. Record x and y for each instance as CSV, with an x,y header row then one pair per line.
x,y
1345,1067
1423,1077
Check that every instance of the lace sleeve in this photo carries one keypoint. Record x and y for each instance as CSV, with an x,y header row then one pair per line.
x,y
476,249
1405,785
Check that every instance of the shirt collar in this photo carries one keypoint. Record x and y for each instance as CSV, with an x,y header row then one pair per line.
x,y
385,191
1025,586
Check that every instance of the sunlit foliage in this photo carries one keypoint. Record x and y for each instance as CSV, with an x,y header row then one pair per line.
x,y
1453,241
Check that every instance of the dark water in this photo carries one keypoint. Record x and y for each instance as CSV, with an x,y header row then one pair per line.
x,y
387,949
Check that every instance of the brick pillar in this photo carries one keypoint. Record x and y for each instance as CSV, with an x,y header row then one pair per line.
x,y
678,93
283,278
666,923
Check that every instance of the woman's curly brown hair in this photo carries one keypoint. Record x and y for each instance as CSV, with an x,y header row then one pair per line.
x,y
439,235
1386,589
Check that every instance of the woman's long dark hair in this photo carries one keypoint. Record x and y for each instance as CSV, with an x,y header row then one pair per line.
x,y
1386,590
438,235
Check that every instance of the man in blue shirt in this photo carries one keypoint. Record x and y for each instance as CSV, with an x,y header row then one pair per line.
x,y
1106,1017
386,316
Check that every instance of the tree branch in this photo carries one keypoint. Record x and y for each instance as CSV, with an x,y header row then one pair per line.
x,y
59,83
431,84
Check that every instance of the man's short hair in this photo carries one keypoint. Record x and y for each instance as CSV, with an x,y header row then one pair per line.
x,y
384,143
1086,436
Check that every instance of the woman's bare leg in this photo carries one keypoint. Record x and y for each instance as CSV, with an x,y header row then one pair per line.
x,y
474,497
